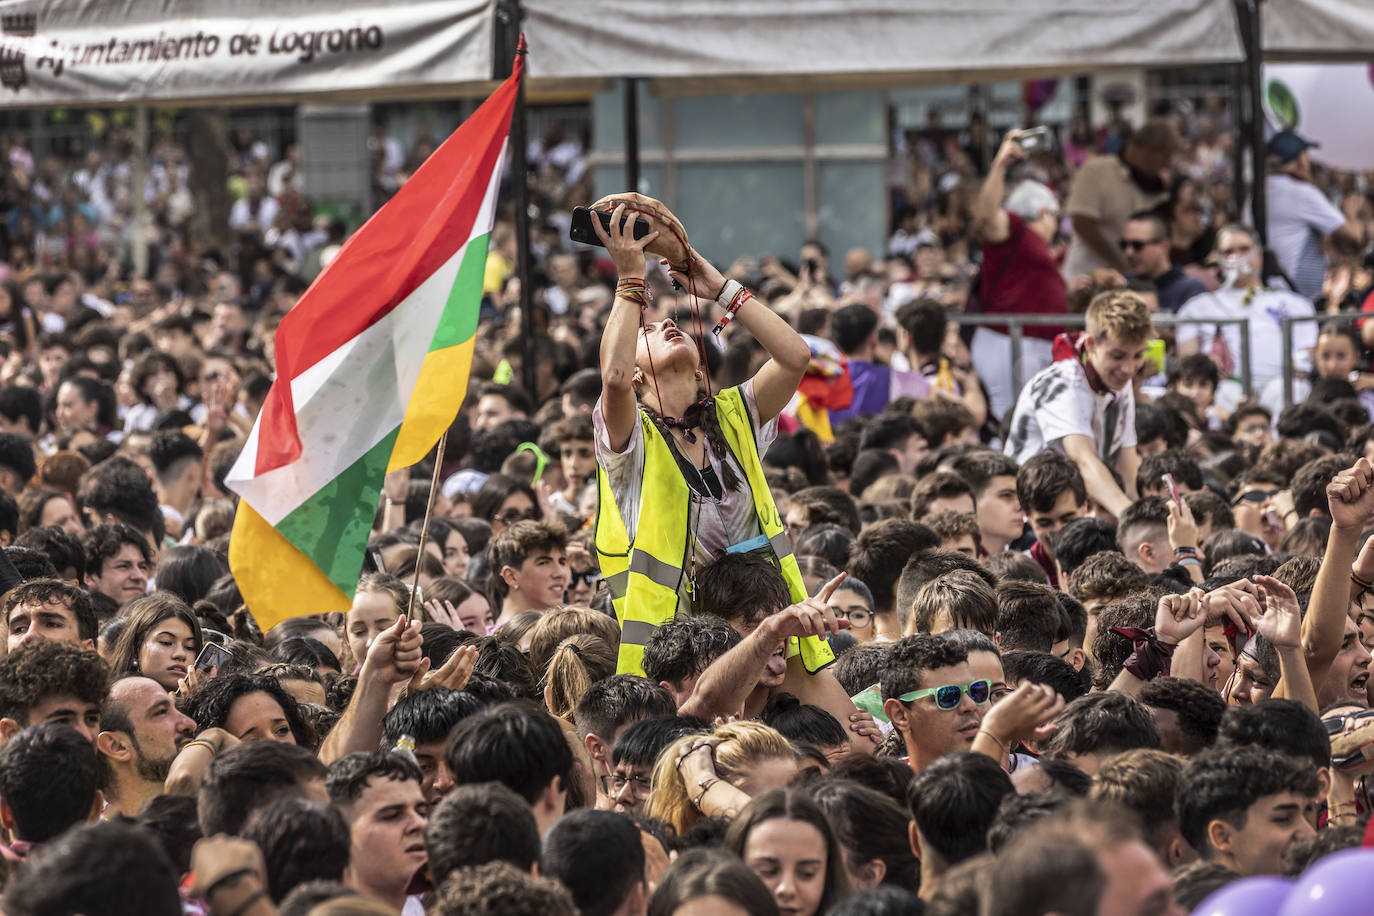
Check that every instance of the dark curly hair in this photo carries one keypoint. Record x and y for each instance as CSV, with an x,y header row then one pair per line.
x,y
210,705
45,668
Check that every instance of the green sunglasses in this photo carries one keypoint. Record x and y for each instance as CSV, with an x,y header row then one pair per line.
x,y
948,696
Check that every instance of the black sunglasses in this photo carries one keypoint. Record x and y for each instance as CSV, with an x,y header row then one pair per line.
x,y
513,516
589,577
1253,496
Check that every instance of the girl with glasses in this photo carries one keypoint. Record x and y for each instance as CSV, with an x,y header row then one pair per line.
x,y
503,501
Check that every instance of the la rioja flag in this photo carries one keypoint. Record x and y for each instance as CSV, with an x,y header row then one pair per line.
x,y
372,365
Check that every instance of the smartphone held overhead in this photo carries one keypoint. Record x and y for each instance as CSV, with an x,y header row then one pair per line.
x,y
581,228
1173,489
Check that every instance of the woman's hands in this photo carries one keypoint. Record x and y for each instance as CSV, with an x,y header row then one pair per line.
x,y
626,251
707,281
194,680
696,763
394,656
452,674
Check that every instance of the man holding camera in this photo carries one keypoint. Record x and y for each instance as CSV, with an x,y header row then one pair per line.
x,y
1019,273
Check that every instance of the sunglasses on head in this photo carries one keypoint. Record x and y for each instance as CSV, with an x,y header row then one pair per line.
x,y
1334,725
948,696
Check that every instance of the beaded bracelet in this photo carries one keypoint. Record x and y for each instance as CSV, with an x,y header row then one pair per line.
x,y
633,290
705,787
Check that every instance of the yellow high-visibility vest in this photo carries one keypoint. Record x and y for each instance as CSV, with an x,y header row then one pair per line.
x,y
644,575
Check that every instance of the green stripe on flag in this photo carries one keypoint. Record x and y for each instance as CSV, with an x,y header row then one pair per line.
x,y
459,320
332,526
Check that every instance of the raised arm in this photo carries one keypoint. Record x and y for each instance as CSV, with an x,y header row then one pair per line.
x,y
777,380
392,659
1280,622
618,341
1350,496
724,686
1101,485
990,220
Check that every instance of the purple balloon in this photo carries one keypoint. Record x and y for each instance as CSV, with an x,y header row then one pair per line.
x,y
1259,896
1337,885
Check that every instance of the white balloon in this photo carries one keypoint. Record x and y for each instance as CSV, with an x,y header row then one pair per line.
x,y
1334,106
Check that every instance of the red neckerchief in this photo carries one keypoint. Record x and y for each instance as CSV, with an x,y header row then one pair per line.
x,y
1068,346
1039,554
17,851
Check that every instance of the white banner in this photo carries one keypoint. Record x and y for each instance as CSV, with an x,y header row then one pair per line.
x,y
1329,104
93,52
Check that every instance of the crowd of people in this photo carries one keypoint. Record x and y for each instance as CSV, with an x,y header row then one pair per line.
x,y
776,594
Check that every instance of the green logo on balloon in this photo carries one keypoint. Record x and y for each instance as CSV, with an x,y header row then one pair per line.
x,y
1281,105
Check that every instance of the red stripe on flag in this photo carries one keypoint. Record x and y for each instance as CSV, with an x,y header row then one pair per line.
x,y
404,242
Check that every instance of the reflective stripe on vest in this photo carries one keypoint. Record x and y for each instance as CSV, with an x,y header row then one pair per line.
x,y
643,576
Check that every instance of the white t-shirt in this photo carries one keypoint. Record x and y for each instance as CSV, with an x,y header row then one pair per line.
x,y
1300,218
1266,340
710,519
1059,402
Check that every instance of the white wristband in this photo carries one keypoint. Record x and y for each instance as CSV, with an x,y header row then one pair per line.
x,y
729,291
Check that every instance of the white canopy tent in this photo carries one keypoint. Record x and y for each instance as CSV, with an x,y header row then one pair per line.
x,y
1318,30
768,45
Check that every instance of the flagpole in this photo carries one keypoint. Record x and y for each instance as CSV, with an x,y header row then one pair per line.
x,y
520,175
424,527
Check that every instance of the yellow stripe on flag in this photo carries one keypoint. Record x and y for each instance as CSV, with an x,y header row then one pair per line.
x,y
276,580
434,403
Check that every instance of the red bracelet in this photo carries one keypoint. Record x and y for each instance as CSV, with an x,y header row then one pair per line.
x,y
740,297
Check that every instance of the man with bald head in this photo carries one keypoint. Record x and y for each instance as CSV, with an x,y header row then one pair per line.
x,y
141,732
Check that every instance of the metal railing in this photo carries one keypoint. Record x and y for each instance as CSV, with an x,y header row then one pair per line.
x,y
1016,324
1286,331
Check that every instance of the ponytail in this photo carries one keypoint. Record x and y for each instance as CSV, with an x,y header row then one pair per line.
x,y
579,662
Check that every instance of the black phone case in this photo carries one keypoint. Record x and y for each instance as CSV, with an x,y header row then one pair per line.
x,y
581,229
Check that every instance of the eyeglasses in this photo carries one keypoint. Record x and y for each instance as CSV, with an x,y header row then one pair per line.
x,y
859,619
1335,725
515,515
615,783
1253,496
948,696
1137,244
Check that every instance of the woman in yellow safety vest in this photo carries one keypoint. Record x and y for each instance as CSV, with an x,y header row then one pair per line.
x,y
680,479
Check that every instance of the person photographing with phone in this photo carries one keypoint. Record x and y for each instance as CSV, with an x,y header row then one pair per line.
x,y
678,467
1019,273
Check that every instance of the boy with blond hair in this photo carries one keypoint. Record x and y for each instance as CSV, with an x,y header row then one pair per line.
x,y
1083,404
